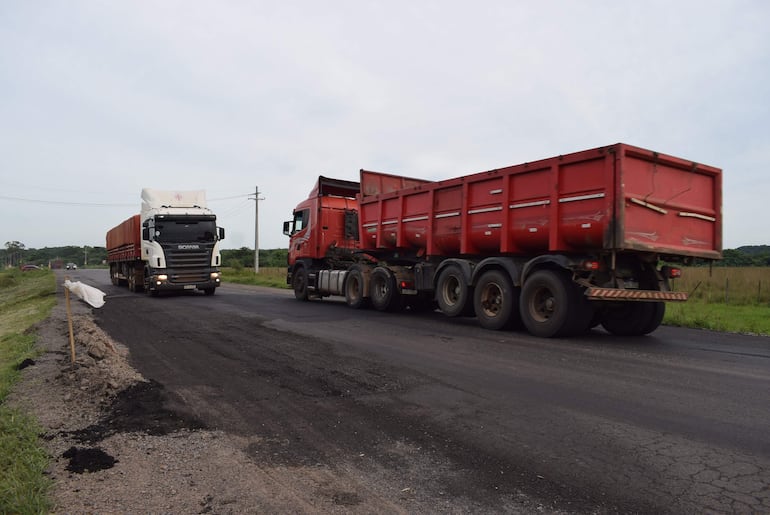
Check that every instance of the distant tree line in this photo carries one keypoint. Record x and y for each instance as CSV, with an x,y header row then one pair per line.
x,y
16,253
758,255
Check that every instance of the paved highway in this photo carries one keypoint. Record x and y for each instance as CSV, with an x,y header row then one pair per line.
x,y
675,422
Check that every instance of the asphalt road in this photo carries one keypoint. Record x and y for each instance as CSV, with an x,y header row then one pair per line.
x,y
675,422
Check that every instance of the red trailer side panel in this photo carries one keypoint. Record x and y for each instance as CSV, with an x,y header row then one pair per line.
x,y
668,204
124,241
600,199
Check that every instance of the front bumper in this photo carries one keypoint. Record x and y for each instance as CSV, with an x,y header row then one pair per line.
x,y
162,282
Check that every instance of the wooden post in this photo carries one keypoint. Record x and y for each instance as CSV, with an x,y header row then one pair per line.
x,y
69,322
727,290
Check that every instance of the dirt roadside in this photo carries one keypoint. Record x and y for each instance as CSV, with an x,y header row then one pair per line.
x,y
118,447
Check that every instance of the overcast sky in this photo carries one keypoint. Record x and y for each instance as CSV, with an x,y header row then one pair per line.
x,y
99,99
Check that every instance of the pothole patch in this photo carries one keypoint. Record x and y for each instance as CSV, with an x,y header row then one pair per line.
x,y
88,460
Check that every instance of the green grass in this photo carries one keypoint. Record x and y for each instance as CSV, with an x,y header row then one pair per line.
x,y
274,277
744,319
25,299
735,299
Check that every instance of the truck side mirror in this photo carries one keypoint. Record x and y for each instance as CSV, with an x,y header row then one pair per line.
x,y
146,233
221,233
287,228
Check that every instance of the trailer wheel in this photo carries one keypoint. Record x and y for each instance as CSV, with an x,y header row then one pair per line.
x,y
496,301
633,318
383,291
551,305
300,284
659,311
452,292
354,289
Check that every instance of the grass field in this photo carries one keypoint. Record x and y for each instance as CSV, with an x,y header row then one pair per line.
x,y
268,276
25,299
724,299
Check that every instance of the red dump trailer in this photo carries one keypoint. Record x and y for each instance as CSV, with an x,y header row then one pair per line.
x,y
558,245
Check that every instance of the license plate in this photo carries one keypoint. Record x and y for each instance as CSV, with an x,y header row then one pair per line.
x,y
189,286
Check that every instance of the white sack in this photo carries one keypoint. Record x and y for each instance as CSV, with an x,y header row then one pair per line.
x,y
89,294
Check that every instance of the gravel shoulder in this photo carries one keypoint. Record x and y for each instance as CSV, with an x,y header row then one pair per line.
x,y
120,443
116,449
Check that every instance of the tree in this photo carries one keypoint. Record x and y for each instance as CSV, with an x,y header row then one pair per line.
x,y
14,253
14,246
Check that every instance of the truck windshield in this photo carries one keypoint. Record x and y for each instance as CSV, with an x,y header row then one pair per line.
x,y
185,231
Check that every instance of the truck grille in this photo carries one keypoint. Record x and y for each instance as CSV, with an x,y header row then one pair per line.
x,y
188,265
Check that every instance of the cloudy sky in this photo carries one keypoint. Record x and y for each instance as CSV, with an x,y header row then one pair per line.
x,y
99,99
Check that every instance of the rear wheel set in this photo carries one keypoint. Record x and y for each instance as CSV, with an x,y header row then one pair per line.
x,y
553,305
632,318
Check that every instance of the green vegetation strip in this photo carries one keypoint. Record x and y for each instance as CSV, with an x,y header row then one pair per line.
x,y
274,277
745,319
25,299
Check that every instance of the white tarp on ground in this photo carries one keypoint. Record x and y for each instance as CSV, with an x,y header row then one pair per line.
x,y
89,294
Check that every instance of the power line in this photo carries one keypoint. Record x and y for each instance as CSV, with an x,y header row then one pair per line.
x,y
63,203
96,204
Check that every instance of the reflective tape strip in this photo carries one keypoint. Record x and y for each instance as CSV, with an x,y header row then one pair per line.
x,y
618,294
484,210
648,205
530,204
699,216
415,219
447,215
581,197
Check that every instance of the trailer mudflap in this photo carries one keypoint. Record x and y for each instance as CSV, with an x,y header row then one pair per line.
x,y
596,293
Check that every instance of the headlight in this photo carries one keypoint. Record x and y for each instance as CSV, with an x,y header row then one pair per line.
x,y
162,277
215,275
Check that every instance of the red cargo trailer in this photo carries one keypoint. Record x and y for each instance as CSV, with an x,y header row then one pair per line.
x,y
124,241
559,244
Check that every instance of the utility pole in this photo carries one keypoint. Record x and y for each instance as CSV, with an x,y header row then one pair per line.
x,y
256,200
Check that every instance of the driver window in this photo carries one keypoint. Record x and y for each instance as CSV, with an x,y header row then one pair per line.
x,y
301,219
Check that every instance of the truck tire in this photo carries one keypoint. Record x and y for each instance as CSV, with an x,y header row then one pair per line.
x,y
383,291
209,291
656,318
453,295
354,289
551,305
299,283
633,318
496,301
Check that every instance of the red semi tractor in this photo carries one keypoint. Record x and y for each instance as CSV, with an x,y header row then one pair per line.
x,y
559,245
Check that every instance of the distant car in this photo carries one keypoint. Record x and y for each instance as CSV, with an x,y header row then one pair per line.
x,y
72,266
27,268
